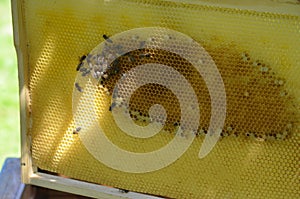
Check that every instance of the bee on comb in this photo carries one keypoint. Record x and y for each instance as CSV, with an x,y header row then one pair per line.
x,y
81,59
107,38
78,87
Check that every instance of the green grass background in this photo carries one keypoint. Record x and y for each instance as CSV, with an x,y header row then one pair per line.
x,y
9,90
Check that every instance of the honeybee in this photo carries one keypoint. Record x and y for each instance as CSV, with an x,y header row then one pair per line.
x,y
78,87
107,38
76,131
131,57
145,55
81,59
112,106
123,190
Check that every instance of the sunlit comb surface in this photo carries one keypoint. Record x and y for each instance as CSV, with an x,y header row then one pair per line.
x,y
257,55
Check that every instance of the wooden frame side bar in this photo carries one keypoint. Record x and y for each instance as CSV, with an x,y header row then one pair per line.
x,y
20,43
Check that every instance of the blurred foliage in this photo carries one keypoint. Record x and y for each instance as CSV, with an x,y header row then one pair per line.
x,y
9,97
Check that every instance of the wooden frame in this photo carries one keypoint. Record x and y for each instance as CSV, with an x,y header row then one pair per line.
x,y
19,35
29,173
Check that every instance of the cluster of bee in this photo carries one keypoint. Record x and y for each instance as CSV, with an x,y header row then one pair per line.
x,y
98,67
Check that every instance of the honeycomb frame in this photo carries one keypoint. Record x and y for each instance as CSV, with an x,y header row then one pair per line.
x,y
283,84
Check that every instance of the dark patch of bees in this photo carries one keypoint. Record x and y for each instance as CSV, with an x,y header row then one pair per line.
x,y
248,115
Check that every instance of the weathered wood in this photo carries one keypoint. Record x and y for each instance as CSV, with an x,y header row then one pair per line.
x,y
10,179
